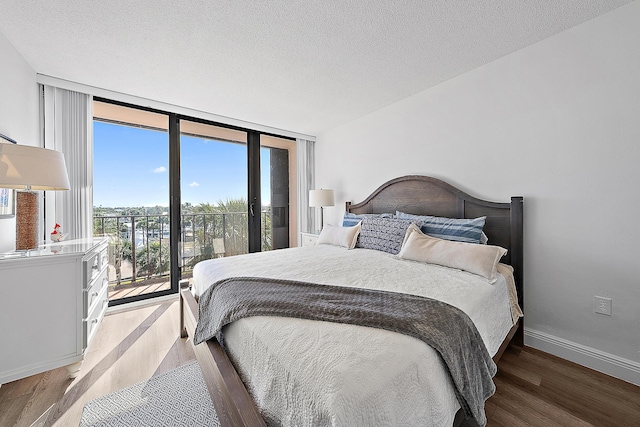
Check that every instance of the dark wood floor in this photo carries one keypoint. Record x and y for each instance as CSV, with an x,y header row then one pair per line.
x,y
533,388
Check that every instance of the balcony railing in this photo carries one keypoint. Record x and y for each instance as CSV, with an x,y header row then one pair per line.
x,y
139,244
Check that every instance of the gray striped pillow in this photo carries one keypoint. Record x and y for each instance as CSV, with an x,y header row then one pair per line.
x,y
351,219
456,229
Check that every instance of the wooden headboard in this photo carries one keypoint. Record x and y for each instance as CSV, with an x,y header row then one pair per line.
x,y
424,195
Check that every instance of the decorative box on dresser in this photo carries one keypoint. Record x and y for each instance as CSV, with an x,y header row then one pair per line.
x,y
52,300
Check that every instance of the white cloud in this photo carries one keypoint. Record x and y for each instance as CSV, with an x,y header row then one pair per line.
x,y
194,184
160,169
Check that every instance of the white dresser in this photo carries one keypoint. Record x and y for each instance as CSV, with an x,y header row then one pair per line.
x,y
52,300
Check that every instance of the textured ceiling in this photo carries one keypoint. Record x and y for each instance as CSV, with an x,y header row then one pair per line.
x,y
303,66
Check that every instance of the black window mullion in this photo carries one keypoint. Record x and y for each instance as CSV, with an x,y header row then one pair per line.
x,y
174,200
255,201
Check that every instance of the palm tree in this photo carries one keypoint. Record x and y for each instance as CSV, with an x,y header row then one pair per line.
x,y
153,263
236,227
226,220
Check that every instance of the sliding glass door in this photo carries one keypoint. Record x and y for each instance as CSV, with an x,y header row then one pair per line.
x,y
213,187
278,191
171,191
131,198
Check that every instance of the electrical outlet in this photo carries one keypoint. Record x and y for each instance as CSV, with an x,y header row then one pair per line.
x,y
602,305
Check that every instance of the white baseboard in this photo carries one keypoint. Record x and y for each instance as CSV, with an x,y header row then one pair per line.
x,y
598,360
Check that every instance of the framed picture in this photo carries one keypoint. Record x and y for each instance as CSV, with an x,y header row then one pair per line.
x,y
7,202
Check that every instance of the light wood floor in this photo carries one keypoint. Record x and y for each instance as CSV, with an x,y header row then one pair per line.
x,y
533,388
129,347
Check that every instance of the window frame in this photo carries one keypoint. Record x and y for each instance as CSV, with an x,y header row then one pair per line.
x,y
175,200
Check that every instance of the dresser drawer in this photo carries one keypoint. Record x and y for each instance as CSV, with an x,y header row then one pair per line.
x,y
95,288
103,256
308,239
90,324
93,264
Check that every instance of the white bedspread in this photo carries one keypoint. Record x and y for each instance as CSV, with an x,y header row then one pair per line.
x,y
309,373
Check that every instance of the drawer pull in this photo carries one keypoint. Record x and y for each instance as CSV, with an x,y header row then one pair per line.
x,y
94,294
94,321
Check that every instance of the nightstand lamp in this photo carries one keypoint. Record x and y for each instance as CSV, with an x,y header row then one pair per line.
x,y
26,169
320,199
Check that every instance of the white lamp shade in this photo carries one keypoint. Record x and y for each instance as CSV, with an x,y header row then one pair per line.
x,y
320,198
23,166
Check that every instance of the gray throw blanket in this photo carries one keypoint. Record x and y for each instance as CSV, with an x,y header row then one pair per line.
x,y
445,328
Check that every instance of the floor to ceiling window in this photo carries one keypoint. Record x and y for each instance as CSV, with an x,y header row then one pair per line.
x,y
232,192
278,180
131,198
213,190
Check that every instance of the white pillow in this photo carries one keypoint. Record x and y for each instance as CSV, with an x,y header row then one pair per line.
x,y
339,236
477,259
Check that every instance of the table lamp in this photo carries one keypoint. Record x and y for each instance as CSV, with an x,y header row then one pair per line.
x,y
26,169
320,199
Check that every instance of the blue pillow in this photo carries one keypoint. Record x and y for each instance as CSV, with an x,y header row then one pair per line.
x,y
383,234
351,219
458,230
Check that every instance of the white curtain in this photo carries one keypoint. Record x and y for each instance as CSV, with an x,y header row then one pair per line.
x,y
68,128
305,150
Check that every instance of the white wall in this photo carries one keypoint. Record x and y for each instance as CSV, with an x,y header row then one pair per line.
x,y
558,123
19,116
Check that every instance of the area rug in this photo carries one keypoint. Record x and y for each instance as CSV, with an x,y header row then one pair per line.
x,y
176,398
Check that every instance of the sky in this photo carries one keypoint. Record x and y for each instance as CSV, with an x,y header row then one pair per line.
x,y
131,168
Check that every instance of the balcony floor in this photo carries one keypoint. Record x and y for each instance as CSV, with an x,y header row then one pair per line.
x,y
141,288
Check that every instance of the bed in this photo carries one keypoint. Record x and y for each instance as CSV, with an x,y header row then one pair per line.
x,y
419,195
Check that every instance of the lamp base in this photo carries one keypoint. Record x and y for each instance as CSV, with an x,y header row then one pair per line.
x,y
321,220
26,220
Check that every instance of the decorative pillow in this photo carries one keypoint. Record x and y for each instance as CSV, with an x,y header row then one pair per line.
x,y
484,239
339,236
477,259
459,230
383,234
351,219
